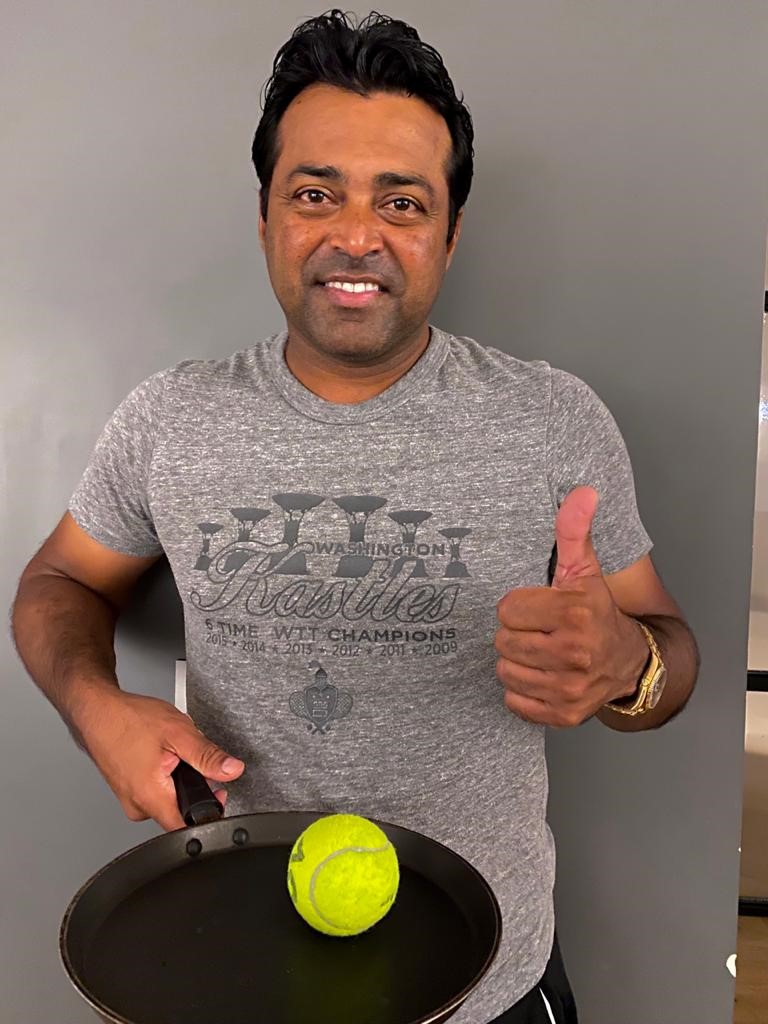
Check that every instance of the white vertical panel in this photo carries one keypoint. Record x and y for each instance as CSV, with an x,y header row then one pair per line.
x,y
180,689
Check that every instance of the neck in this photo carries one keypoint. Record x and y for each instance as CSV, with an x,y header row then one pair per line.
x,y
347,381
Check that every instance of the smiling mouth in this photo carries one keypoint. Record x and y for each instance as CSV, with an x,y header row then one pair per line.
x,y
354,287
352,294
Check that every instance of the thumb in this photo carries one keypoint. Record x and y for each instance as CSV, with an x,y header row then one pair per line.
x,y
576,556
210,760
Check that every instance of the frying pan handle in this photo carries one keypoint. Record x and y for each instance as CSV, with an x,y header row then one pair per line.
x,y
196,802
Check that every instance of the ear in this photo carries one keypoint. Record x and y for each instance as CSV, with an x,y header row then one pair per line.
x,y
262,222
455,239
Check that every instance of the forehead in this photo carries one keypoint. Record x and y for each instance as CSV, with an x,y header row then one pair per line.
x,y
363,135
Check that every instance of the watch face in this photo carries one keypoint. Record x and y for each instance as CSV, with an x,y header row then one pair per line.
x,y
656,690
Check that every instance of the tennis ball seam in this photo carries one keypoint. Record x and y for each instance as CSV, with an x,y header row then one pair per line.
x,y
324,862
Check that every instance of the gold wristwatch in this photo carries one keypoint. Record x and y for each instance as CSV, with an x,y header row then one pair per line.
x,y
651,685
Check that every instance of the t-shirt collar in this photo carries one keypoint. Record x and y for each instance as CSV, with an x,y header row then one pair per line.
x,y
311,405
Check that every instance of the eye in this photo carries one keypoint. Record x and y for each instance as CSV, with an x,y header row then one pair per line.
x,y
412,205
314,196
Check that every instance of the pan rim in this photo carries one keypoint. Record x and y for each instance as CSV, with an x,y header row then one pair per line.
x,y
195,831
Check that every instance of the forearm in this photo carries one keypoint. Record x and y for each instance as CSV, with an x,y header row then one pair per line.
x,y
64,633
681,658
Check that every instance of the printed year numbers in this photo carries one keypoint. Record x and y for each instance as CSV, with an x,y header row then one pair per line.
x,y
298,647
346,650
445,647
391,650
251,646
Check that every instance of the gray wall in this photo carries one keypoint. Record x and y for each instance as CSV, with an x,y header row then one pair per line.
x,y
617,228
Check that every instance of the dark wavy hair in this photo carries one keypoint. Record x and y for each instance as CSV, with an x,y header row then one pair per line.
x,y
380,54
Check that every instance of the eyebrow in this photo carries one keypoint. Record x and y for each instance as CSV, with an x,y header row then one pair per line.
x,y
386,178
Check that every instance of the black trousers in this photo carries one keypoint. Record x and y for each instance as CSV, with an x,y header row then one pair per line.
x,y
550,1000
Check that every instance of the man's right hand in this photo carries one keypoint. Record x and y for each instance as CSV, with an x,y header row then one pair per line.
x,y
69,597
136,743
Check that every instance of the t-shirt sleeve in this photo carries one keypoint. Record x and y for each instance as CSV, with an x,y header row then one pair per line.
x,y
111,502
585,447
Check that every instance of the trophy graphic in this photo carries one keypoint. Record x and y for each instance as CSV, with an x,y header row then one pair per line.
x,y
455,567
409,522
207,530
247,519
357,509
295,507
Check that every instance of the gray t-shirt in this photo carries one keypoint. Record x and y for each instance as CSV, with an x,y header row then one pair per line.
x,y
339,567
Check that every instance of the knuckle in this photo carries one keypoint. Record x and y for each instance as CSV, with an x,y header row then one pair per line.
x,y
529,648
576,655
506,672
571,691
501,640
568,717
134,813
579,616
513,705
504,607
209,758
581,657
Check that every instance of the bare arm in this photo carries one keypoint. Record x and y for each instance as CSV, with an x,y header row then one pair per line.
x,y
639,593
64,617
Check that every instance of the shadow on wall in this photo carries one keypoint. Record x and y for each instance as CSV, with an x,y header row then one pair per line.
x,y
154,619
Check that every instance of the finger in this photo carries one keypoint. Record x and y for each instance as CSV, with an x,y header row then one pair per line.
x,y
530,648
210,760
168,764
132,811
164,811
534,608
540,713
545,698
576,557
527,708
533,683
154,796
162,804
218,792
169,820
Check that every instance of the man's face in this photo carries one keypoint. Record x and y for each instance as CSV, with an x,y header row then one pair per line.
x,y
359,193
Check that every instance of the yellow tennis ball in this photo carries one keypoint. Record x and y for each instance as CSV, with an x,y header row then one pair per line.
x,y
343,874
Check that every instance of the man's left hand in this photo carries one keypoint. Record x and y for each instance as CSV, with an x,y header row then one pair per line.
x,y
567,650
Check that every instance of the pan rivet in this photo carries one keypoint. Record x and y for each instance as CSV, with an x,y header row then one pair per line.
x,y
194,847
240,837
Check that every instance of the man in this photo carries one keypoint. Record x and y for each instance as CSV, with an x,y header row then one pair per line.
x,y
400,554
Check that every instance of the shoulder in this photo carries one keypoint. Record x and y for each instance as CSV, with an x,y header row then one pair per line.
x,y
191,386
575,401
489,365
243,370
493,369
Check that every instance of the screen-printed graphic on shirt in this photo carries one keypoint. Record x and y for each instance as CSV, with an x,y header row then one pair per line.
x,y
320,703
352,579
360,596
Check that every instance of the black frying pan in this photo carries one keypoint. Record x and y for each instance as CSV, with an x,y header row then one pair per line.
x,y
196,927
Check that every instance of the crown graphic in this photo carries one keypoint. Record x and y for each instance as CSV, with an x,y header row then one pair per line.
x,y
320,704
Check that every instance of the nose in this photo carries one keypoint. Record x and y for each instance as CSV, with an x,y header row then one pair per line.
x,y
356,231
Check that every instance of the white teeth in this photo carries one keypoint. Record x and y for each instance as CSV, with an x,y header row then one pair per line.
x,y
348,286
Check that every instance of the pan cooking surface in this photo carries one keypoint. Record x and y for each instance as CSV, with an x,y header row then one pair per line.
x,y
217,941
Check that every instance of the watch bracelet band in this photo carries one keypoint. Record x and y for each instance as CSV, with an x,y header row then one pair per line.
x,y
636,703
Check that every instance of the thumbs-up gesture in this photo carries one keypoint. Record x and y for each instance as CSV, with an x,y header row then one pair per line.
x,y
567,650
